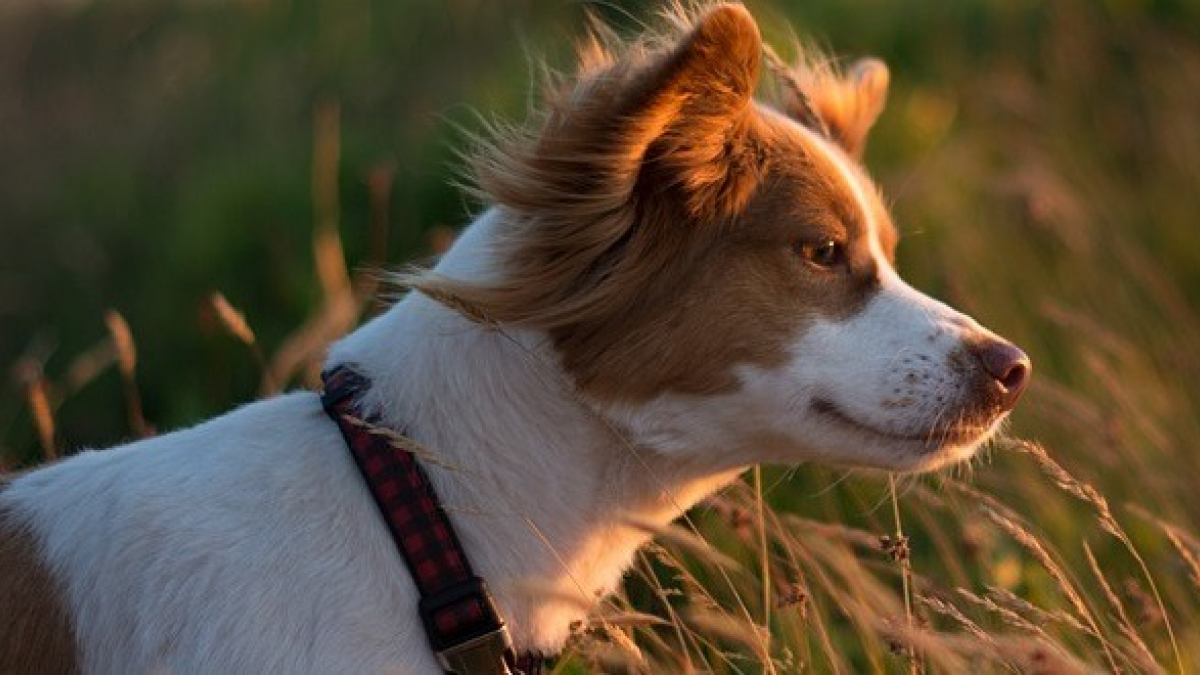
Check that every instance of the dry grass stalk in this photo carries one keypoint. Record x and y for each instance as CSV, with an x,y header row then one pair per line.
x,y
123,342
833,531
856,587
793,537
898,549
303,350
1008,615
686,540
1092,496
1065,481
1038,653
817,575
1184,543
630,619
1143,658
764,551
379,188
700,596
678,571
416,282
683,641
725,627
1187,553
88,365
1056,571
630,654
935,649
43,418
122,339
330,262
235,322
340,305
327,244
403,443
650,636
951,610
722,572
1031,655
604,655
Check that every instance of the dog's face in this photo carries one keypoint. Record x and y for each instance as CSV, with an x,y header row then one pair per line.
x,y
717,275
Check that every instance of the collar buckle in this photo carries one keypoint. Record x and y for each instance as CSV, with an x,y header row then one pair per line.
x,y
487,654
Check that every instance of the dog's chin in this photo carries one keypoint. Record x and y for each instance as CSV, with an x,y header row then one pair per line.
x,y
937,457
917,452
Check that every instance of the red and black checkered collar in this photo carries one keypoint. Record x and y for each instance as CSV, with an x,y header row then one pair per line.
x,y
460,618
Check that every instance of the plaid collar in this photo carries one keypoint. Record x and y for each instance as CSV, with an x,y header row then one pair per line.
x,y
460,618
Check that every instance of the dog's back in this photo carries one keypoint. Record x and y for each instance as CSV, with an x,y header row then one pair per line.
x,y
192,551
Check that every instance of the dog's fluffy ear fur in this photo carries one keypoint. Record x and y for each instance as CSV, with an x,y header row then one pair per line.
x,y
848,104
646,137
665,114
689,109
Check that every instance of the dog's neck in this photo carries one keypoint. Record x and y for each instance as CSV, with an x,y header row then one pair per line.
x,y
550,499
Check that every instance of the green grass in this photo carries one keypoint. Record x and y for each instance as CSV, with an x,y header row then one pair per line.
x,y
1043,161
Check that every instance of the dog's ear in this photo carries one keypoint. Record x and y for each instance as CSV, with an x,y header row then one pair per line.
x,y
846,105
687,112
668,124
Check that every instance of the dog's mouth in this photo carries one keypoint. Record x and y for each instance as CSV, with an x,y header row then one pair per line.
x,y
960,431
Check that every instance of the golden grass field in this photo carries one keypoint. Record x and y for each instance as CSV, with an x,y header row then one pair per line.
x,y
192,192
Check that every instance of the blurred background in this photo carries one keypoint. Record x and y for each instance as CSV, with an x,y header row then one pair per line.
x,y
1043,160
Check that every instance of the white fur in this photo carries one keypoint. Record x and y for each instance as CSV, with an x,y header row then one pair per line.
x,y
249,544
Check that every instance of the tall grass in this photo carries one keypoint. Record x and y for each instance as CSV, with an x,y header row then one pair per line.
x,y
1043,162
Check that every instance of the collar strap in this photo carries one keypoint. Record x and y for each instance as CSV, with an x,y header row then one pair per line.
x,y
460,618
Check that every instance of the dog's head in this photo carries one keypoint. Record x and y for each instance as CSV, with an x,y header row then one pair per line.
x,y
716,274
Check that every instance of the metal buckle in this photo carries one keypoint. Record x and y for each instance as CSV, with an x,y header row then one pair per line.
x,y
484,655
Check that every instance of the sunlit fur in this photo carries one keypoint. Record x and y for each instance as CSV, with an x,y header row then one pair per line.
x,y
629,324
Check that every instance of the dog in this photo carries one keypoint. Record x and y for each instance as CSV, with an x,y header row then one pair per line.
x,y
672,281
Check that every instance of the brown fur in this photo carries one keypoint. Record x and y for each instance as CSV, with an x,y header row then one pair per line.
x,y
35,631
653,213
847,106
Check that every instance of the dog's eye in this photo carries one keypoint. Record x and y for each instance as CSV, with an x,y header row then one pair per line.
x,y
822,252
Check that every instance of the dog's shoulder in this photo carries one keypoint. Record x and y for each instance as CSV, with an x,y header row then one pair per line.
x,y
210,542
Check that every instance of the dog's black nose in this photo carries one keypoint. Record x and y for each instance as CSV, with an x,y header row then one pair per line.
x,y
1008,366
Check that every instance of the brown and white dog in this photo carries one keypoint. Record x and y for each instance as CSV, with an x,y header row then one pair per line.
x,y
673,281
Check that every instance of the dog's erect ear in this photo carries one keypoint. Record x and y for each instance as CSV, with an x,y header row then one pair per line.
x,y
687,112
654,121
847,104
